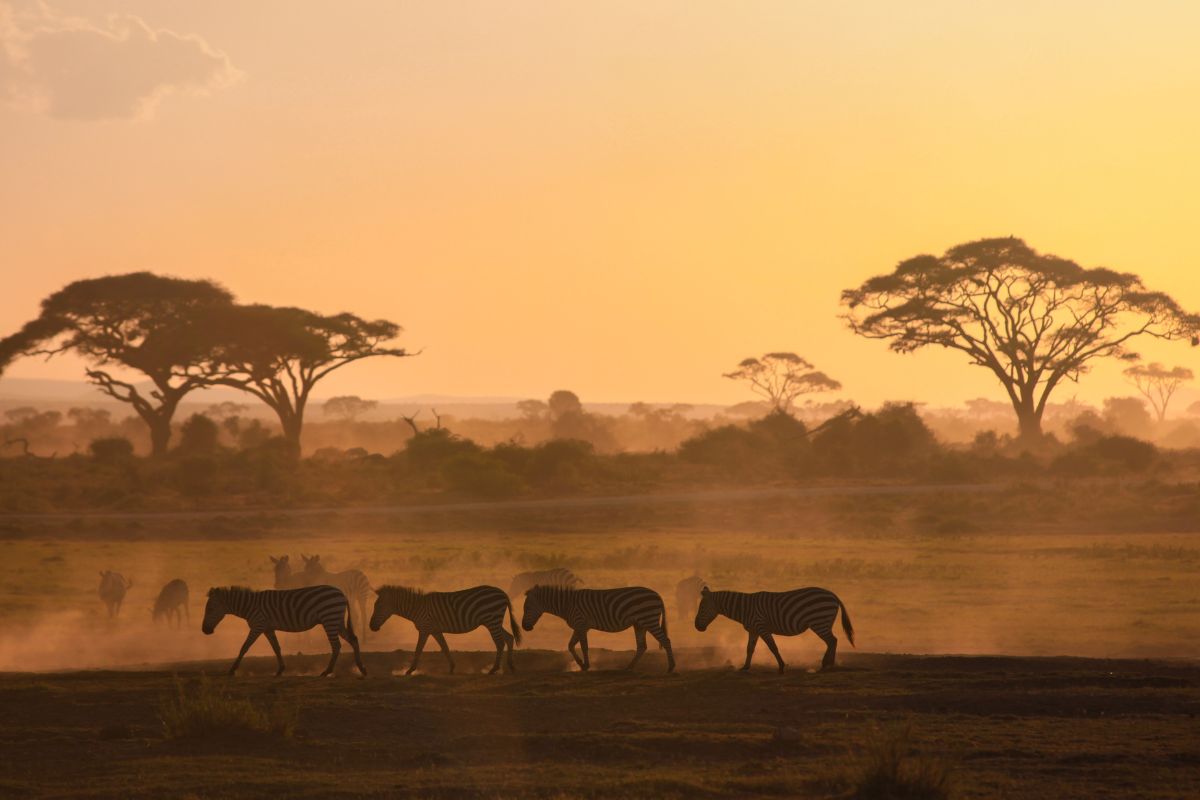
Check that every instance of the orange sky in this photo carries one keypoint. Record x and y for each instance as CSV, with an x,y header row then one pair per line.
x,y
622,199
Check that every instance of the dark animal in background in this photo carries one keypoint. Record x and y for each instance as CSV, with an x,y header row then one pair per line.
x,y
559,576
352,582
284,577
113,586
764,614
291,610
687,596
172,598
438,613
610,610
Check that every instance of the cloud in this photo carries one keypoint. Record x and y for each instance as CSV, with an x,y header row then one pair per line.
x,y
70,68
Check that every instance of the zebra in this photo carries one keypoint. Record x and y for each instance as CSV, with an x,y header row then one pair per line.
x,y
764,614
291,610
113,586
610,610
559,576
172,597
352,582
284,577
438,613
687,595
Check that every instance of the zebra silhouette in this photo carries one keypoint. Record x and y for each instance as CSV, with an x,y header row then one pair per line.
x,y
284,577
174,596
290,610
610,610
113,586
764,614
352,582
559,576
438,613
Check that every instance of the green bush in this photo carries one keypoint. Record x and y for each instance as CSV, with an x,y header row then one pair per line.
x,y
203,709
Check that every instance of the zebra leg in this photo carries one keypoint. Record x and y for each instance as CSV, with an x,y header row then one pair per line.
x,y
348,635
639,635
440,638
750,645
583,645
275,646
251,637
335,646
571,648
421,638
509,641
659,634
770,640
498,637
830,647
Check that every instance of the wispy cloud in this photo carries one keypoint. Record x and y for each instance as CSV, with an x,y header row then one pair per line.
x,y
72,68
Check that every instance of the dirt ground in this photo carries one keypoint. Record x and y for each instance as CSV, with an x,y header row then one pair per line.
x,y
1005,727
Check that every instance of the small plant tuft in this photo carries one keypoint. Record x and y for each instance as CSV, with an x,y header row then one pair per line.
x,y
890,770
203,709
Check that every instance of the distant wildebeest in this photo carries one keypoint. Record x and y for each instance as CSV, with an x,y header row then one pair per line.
x,y
438,613
291,610
171,599
559,576
764,614
352,582
687,596
610,610
113,586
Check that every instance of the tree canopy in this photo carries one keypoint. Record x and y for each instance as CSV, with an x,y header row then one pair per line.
x,y
1158,383
140,322
1032,319
779,378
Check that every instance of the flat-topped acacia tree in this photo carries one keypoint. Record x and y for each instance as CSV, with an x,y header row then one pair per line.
x,y
278,354
1033,320
140,323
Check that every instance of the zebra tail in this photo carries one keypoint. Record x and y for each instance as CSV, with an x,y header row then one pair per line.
x,y
664,626
512,622
847,626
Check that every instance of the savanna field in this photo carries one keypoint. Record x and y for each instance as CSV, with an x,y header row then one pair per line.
x,y
994,657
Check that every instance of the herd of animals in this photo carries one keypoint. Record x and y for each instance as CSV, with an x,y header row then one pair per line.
x,y
316,597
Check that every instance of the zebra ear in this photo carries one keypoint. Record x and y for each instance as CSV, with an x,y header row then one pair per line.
x,y
704,590
274,560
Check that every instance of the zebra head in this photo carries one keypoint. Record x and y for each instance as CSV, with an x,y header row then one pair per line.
x,y
391,600
313,565
214,610
707,611
283,570
535,606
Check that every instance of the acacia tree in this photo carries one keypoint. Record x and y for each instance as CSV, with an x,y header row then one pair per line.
x,y
1032,320
779,378
1157,383
139,322
279,354
349,407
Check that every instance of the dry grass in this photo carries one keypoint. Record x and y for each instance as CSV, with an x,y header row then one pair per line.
x,y
203,709
892,770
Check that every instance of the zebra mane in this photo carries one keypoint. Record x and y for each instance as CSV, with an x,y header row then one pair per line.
x,y
392,588
542,588
229,590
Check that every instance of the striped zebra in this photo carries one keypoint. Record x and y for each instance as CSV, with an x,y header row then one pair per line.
x,y
438,613
174,596
610,610
291,610
113,586
559,576
352,582
284,577
764,614
687,596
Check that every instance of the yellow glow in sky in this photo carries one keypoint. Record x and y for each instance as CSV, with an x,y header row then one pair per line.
x,y
623,199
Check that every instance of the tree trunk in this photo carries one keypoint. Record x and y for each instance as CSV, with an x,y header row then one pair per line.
x,y
160,434
292,423
1029,419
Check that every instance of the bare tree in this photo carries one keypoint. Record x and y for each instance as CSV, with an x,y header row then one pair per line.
x,y
1032,320
1157,383
779,378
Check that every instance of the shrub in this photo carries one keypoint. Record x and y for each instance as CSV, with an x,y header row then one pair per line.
x,y
111,449
481,475
198,435
203,709
197,475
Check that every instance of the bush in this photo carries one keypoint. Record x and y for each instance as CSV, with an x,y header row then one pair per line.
x,y
197,475
203,709
1106,455
198,435
111,449
481,475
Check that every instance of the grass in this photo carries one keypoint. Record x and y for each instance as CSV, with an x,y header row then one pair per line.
x,y
202,709
892,770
